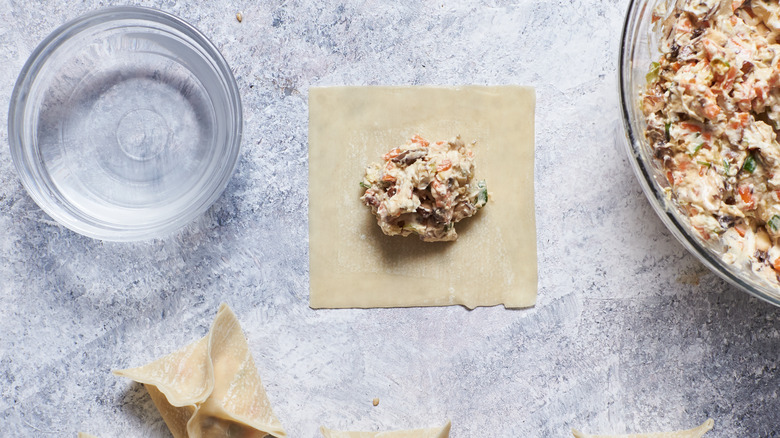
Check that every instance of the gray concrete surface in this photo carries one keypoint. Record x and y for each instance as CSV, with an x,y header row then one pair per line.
x,y
630,332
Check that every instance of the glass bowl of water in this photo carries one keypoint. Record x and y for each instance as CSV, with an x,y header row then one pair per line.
x,y
125,124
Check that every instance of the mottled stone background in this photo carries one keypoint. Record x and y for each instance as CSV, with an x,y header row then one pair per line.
x,y
630,332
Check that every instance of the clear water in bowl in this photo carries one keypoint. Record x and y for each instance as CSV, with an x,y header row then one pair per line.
x,y
125,124
126,129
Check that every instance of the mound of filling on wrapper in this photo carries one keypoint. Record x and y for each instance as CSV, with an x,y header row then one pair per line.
x,y
424,188
712,108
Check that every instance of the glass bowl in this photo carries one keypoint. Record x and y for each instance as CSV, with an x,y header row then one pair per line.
x,y
638,48
125,124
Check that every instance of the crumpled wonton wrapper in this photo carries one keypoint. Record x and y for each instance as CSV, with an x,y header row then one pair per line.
x,y
436,432
210,388
696,432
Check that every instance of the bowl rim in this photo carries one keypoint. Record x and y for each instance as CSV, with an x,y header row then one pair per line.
x,y
42,194
653,192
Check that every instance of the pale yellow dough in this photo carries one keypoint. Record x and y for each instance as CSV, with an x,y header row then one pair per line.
x,y
436,432
352,264
696,432
210,388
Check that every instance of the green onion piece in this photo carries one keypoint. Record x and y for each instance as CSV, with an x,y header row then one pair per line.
x,y
482,196
705,163
364,185
696,149
726,167
750,164
720,66
774,223
652,75
666,129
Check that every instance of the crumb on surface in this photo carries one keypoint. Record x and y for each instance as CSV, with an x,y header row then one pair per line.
x,y
240,17
375,402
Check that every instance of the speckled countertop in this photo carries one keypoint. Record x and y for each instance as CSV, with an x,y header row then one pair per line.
x,y
630,332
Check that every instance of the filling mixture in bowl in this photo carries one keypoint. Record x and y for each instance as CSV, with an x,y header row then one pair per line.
x,y
424,188
712,110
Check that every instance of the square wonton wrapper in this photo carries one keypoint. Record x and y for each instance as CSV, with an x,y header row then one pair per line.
x,y
436,432
696,432
353,264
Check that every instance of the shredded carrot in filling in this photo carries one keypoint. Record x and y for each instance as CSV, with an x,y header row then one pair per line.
x,y
424,189
713,99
